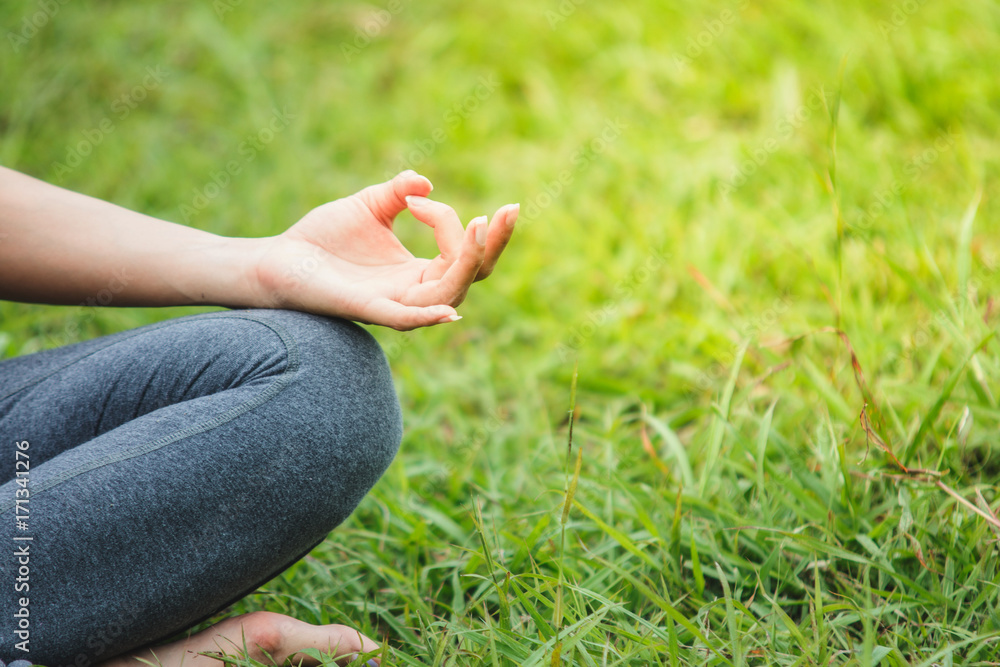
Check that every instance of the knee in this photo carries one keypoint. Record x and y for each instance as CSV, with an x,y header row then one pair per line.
x,y
345,388
361,385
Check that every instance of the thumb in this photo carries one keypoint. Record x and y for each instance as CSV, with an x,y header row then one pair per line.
x,y
386,200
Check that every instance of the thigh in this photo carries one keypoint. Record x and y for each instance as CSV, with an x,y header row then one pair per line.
x,y
280,423
58,399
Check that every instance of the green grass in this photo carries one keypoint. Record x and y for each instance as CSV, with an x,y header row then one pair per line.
x,y
729,508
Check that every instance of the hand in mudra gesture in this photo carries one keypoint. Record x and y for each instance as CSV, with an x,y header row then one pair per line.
x,y
343,258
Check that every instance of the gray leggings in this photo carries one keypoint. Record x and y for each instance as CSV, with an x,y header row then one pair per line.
x,y
172,469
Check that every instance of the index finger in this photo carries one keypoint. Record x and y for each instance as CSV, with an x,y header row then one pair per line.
x,y
448,229
452,287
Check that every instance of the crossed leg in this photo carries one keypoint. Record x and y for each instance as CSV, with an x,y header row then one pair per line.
x,y
264,636
176,468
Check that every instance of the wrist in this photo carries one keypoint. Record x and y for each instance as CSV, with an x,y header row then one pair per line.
x,y
224,272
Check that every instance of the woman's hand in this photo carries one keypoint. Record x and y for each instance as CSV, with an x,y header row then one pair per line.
x,y
343,259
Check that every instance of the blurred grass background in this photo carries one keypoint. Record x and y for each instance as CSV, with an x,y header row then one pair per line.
x,y
705,189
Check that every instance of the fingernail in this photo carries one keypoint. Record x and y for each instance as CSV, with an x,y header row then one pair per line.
x,y
412,200
372,663
480,223
449,318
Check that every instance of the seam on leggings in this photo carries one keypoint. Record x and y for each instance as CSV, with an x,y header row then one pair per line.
x,y
125,335
272,390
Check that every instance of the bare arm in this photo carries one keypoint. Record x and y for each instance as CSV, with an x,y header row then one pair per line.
x,y
61,247
342,259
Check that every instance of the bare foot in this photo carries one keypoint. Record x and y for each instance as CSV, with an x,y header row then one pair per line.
x,y
269,638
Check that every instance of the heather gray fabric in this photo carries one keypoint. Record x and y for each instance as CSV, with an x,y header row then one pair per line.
x,y
176,467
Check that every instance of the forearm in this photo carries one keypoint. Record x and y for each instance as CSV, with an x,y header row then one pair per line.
x,y
61,247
